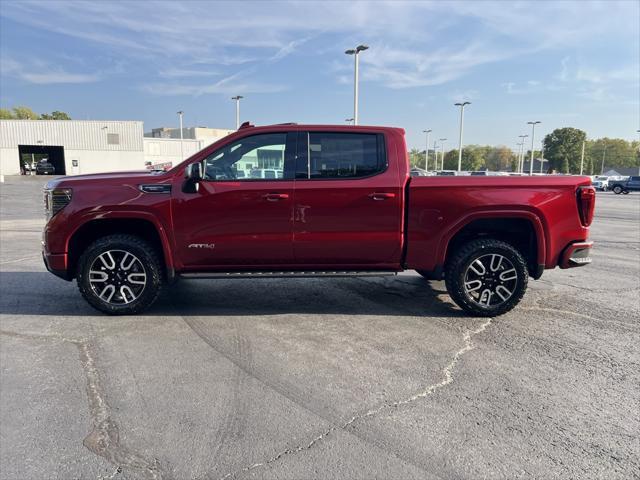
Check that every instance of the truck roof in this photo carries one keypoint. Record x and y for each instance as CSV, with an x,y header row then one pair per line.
x,y
318,126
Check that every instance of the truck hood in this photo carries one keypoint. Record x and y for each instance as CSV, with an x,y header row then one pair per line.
x,y
119,177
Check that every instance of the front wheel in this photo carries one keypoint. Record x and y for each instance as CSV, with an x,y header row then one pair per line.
x,y
120,274
617,189
486,277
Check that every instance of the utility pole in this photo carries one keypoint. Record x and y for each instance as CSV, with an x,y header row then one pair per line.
x,y
237,99
461,105
442,140
426,152
180,113
582,157
355,52
522,152
604,153
533,132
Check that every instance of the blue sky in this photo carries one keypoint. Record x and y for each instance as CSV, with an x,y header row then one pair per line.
x,y
563,63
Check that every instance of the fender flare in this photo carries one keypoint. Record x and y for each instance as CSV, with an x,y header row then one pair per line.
x,y
167,248
535,220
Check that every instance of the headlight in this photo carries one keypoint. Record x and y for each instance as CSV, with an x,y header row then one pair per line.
x,y
55,200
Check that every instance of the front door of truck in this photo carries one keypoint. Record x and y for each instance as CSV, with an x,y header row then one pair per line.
x,y
348,201
241,214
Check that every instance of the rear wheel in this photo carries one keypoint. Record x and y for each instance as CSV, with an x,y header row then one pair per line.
x,y
486,277
625,192
120,274
617,189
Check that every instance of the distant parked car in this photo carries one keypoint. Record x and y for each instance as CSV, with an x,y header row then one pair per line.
x,y
600,182
418,172
45,168
632,184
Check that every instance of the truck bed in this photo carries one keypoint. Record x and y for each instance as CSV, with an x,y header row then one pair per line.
x,y
440,207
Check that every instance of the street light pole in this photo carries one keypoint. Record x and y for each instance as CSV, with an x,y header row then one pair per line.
x,y
442,140
521,158
533,132
461,105
237,99
355,52
604,153
426,152
542,157
435,156
180,113
582,157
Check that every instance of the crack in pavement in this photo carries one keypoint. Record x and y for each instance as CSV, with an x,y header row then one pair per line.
x,y
430,389
104,438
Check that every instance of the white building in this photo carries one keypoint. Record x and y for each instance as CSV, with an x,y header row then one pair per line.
x,y
160,151
76,147
204,134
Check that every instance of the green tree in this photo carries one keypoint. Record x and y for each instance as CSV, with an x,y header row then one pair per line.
x,y
55,115
416,158
563,149
619,153
471,159
499,158
24,113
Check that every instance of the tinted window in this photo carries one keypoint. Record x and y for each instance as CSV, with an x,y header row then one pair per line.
x,y
247,158
343,155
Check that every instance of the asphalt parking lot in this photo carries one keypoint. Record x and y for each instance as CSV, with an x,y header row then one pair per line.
x,y
320,378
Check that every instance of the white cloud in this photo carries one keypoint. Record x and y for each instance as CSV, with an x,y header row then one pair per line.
x,y
406,37
43,73
228,85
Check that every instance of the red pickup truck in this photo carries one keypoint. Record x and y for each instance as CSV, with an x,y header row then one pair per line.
x,y
312,200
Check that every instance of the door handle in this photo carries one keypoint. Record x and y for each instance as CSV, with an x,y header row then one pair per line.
x,y
381,196
274,197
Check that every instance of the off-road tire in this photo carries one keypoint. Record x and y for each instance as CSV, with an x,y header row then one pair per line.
x,y
459,264
149,259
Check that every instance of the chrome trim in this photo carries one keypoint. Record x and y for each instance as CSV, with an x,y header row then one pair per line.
x,y
155,188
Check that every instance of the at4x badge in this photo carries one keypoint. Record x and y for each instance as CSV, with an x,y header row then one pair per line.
x,y
203,245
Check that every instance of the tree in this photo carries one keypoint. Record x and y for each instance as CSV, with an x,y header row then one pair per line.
x,y
24,113
416,158
499,158
56,115
471,159
563,149
620,153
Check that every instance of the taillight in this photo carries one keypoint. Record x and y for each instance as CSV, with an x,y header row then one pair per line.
x,y
586,204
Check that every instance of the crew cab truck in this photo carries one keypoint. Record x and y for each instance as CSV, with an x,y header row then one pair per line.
x,y
345,205
631,184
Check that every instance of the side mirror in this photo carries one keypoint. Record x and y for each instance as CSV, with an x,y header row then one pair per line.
x,y
193,172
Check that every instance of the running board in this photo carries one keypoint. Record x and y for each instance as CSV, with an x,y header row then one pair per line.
x,y
292,274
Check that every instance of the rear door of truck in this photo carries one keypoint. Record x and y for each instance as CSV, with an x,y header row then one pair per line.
x,y
348,200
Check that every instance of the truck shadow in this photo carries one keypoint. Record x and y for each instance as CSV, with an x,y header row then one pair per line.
x,y
39,293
